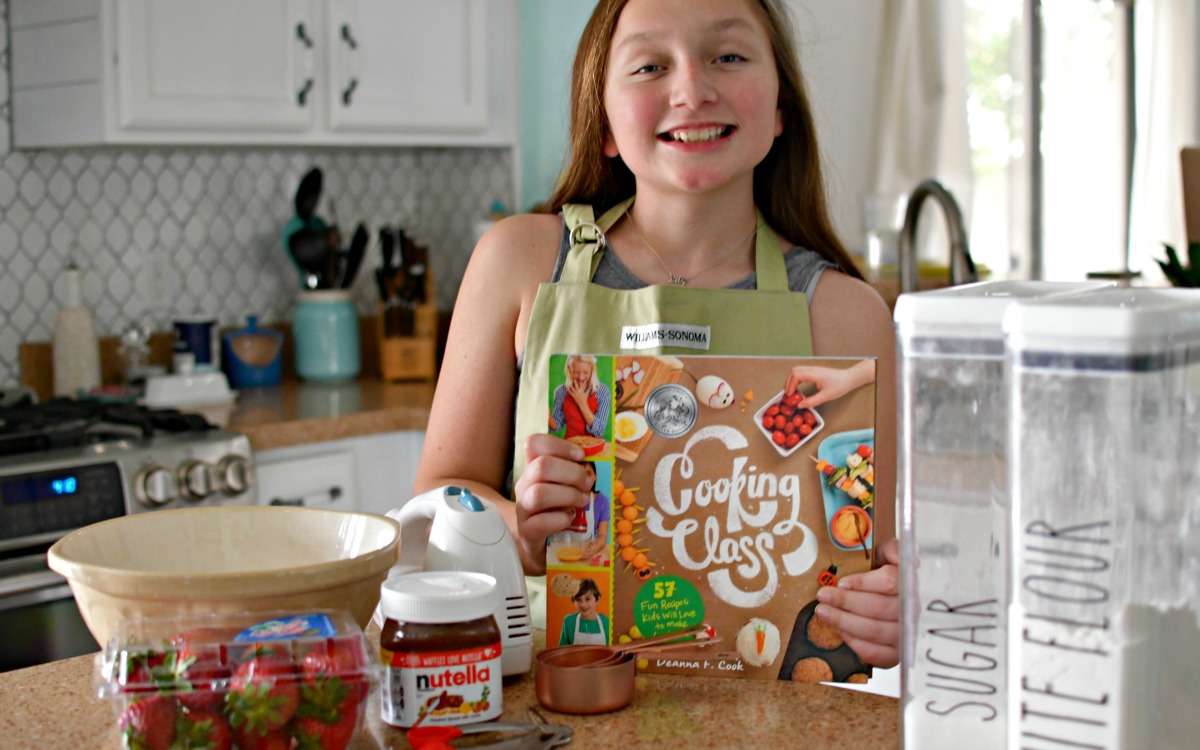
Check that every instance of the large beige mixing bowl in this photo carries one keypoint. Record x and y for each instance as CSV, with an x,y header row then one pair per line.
x,y
226,559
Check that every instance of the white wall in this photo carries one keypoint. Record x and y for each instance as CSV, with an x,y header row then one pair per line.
x,y
839,54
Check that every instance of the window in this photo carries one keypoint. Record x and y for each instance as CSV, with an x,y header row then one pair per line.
x,y
1051,197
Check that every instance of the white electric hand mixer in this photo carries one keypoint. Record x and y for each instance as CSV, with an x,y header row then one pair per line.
x,y
451,529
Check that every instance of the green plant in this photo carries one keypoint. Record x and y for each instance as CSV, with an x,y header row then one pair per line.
x,y
1179,274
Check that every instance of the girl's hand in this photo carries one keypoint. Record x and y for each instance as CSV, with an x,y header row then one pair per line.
x,y
865,608
553,485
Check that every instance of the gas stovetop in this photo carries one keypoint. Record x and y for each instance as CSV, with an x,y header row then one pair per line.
x,y
61,423
66,463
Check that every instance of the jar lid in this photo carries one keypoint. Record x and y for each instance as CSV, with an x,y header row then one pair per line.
x,y
436,597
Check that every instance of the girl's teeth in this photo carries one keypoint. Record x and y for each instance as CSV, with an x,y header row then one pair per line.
x,y
697,135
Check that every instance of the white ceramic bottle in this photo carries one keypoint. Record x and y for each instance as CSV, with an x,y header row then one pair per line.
x,y
76,349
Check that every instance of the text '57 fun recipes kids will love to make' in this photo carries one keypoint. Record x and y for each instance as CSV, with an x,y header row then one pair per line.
x,y
718,501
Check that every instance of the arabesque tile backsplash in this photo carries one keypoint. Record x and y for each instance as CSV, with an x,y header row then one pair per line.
x,y
165,232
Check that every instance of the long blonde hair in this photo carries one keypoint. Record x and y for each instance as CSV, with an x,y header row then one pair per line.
x,y
788,186
587,359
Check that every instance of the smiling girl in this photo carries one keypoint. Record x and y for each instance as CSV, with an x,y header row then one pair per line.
x,y
693,197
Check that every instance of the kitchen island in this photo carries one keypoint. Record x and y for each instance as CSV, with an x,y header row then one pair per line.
x,y
54,706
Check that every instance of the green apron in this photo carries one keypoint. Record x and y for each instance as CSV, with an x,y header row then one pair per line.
x,y
575,316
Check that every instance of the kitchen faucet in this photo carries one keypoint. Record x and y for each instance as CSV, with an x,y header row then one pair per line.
x,y
962,268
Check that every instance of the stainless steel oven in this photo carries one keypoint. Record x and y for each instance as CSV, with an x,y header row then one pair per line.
x,y
67,464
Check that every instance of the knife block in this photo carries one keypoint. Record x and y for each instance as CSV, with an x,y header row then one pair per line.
x,y
410,357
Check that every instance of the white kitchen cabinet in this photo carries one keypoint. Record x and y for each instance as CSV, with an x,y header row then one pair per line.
x,y
373,473
318,72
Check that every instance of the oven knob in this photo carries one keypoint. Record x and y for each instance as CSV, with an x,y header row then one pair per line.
x,y
154,486
234,472
195,480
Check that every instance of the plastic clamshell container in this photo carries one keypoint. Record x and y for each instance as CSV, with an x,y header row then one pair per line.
x,y
953,418
197,666
1104,425
786,451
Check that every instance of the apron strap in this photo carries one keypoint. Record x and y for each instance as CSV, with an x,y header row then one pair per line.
x,y
588,242
587,239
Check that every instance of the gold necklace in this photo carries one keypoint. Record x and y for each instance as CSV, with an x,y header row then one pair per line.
x,y
675,278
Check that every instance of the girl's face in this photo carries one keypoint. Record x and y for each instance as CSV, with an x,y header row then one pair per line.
x,y
586,605
581,373
691,93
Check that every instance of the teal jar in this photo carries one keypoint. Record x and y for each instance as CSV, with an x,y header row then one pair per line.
x,y
325,331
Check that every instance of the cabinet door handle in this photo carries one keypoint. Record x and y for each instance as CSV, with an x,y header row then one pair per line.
x,y
302,35
302,94
349,91
348,37
334,493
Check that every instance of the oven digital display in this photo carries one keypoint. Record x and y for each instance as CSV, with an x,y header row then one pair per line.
x,y
32,489
69,497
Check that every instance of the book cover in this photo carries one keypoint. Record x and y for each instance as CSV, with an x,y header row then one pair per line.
x,y
719,501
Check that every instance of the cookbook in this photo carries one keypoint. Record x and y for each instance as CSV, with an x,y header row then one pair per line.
x,y
719,501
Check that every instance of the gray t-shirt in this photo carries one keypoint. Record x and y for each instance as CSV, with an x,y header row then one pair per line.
x,y
804,267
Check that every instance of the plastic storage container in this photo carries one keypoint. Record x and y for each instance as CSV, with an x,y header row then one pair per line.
x,y
1105,459
190,681
325,329
954,509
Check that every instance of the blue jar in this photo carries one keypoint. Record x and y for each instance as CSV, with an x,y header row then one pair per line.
x,y
325,330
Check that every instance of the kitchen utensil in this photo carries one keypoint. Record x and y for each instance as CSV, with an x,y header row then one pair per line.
x,y
536,735
561,684
325,334
308,193
603,655
310,251
354,257
225,559
450,529
387,248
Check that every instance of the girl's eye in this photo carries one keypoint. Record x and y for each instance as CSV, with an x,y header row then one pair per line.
x,y
648,68
732,57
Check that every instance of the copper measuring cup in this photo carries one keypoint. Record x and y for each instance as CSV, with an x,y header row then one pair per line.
x,y
599,679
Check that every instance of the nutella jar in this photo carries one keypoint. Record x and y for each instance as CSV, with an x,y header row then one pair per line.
x,y
440,647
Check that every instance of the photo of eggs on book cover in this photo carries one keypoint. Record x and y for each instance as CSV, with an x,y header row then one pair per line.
x,y
729,503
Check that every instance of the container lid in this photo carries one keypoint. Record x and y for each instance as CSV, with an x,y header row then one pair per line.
x,y
974,310
1108,321
439,597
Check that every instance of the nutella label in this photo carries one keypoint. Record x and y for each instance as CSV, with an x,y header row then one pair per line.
x,y
442,687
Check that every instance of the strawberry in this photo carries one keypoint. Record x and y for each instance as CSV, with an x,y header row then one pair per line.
x,y
336,659
203,730
314,734
147,671
201,667
263,693
149,723
274,739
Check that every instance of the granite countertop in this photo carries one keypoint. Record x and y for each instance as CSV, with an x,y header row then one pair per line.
x,y
296,413
54,706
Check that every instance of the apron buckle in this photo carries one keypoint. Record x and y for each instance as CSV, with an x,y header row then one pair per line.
x,y
597,235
